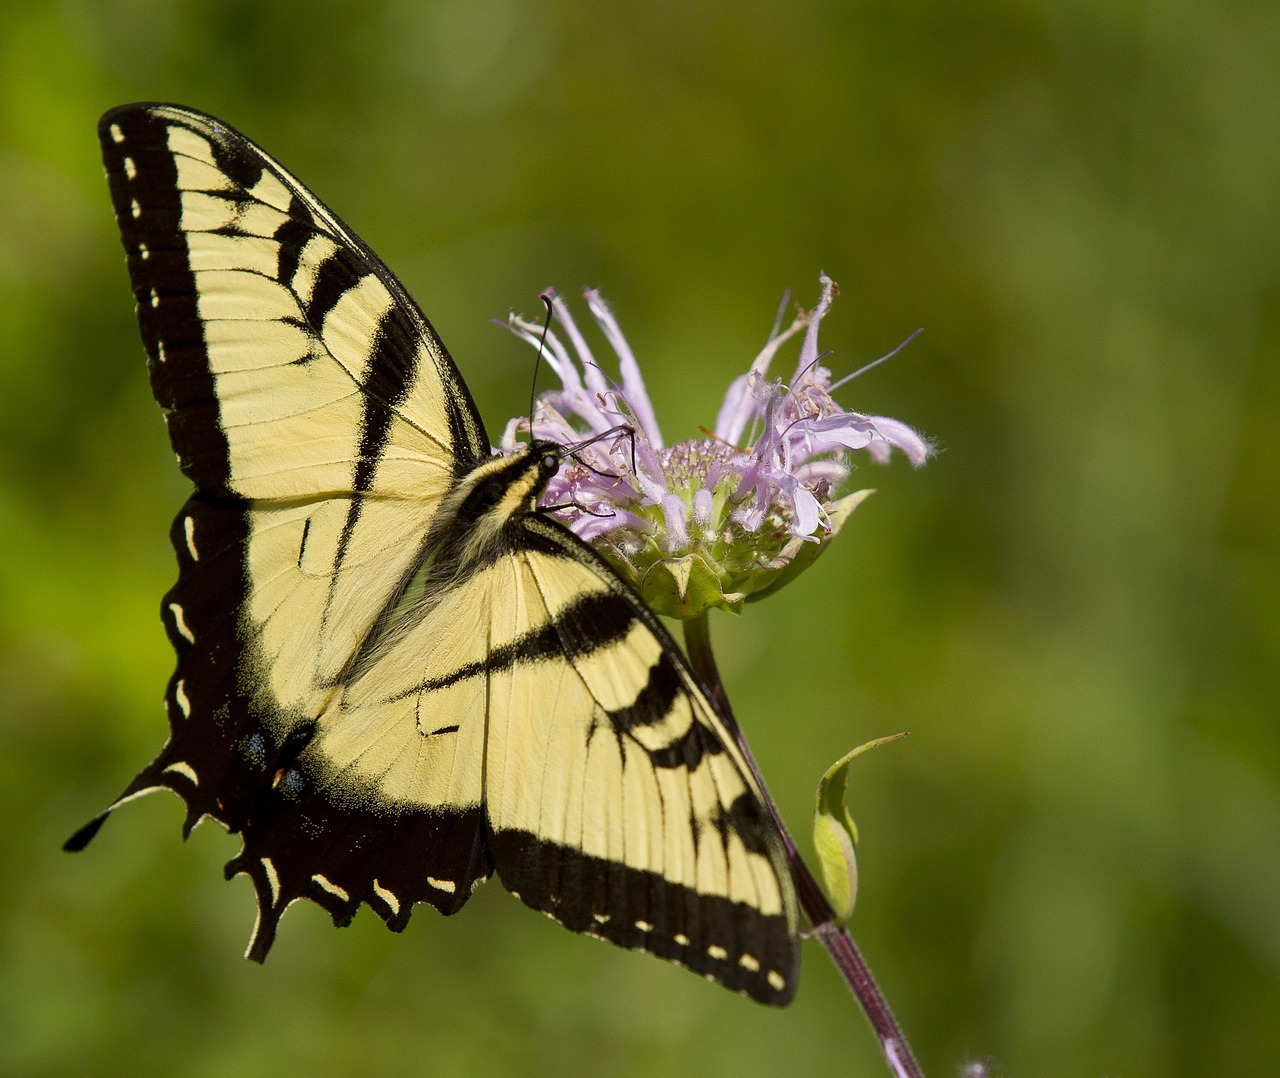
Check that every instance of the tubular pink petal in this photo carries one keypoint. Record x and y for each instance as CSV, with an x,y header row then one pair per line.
x,y
509,443
735,412
900,436
557,356
673,511
824,437
809,349
632,382
594,377
807,508
703,504
827,470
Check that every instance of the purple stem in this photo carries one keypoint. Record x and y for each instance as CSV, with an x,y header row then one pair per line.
x,y
836,939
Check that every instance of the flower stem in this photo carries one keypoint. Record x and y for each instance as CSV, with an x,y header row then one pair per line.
x,y
836,939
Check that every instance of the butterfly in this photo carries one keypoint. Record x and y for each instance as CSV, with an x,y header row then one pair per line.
x,y
396,675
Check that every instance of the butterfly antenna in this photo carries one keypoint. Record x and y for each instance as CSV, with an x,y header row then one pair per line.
x,y
581,509
577,447
548,299
621,428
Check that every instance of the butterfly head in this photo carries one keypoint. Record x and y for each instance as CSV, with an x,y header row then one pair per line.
x,y
548,455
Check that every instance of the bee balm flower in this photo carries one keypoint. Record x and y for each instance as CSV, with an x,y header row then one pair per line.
x,y
717,520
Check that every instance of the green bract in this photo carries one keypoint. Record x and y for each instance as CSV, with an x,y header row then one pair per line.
x,y
726,566
835,836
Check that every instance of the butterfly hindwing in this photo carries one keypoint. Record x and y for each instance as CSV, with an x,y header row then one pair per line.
x,y
394,677
636,819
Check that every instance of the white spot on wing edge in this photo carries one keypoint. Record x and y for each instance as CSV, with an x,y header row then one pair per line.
x,y
600,918
393,903
189,530
717,952
447,886
331,887
272,879
130,169
749,962
644,926
134,209
681,939
180,694
776,980
180,623
116,134
183,768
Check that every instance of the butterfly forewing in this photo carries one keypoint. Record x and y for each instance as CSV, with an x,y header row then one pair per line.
x,y
290,356
388,701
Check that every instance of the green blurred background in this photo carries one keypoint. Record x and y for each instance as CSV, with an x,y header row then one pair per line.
x,y
1072,864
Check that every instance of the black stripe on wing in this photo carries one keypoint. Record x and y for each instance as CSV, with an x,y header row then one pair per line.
x,y
732,943
610,618
594,623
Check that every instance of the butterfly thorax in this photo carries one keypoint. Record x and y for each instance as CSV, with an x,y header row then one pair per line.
x,y
492,498
478,523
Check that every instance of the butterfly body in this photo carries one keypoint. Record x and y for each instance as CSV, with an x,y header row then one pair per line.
x,y
395,674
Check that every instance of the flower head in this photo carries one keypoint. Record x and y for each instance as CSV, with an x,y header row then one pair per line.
x,y
710,521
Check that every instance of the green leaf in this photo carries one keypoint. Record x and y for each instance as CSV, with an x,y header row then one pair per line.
x,y
835,836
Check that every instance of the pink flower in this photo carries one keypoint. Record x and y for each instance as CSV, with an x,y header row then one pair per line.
x,y
736,508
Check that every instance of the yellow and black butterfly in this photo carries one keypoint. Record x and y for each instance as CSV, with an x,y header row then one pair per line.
x,y
395,674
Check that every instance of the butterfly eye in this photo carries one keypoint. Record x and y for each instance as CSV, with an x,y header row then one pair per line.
x,y
550,463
